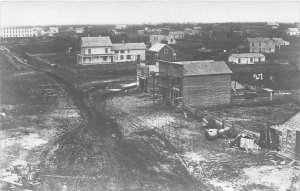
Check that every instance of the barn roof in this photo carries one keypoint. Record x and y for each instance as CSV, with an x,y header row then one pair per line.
x,y
129,46
248,55
204,67
95,41
158,46
293,123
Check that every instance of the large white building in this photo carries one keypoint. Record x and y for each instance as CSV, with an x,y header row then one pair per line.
x,y
100,50
11,32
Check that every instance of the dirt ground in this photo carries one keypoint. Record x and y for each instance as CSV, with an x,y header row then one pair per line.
x,y
211,162
36,109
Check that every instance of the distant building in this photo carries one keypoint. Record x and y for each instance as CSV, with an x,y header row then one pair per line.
x,y
119,27
99,50
79,30
176,35
141,32
161,39
263,45
188,31
203,83
197,27
160,52
287,136
37,31
293,31
246,58
126,52
11,32
53,30
273,25
280,42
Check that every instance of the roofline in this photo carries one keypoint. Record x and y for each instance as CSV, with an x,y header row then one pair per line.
x,y
286,119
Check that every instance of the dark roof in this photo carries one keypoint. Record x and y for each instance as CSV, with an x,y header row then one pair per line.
x,y
204,67
95,41
129,46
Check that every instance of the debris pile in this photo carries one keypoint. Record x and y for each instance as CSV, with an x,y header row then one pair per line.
x,y
20,174
244,142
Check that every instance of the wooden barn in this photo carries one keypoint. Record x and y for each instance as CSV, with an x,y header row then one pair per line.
x,y
195,83
288,135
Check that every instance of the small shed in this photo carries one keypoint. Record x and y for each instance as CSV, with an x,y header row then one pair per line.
x,y
288,134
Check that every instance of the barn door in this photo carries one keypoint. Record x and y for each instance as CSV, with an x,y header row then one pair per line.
x,y
297,148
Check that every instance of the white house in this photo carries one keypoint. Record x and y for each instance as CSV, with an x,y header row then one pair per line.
x,y
293,31
100,50
246,58
126,52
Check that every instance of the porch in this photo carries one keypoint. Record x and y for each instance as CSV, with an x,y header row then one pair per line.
x,y
84,59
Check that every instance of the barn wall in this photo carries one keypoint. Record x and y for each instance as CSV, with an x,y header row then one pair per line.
x,y
207,91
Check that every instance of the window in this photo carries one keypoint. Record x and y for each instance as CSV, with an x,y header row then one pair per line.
x,y
128,57
106,50
121,57
270,49
239,60
166,51
289,138
105,58
116,51
122,51
253,44
251,59
259,44
174,57
89,51
128,51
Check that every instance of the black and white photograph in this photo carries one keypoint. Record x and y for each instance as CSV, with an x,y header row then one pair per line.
x,y
159,95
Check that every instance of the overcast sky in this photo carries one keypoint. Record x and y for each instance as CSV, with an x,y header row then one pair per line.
x,y
137,12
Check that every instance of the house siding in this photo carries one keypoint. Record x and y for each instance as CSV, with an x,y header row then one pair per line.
x,y
245,60
206,91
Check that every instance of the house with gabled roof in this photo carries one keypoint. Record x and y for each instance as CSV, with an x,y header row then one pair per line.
x,y
204,83
265,45
100,50
288,136
160,51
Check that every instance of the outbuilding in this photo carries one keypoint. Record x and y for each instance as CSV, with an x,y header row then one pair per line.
x,y
288,136
203,83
